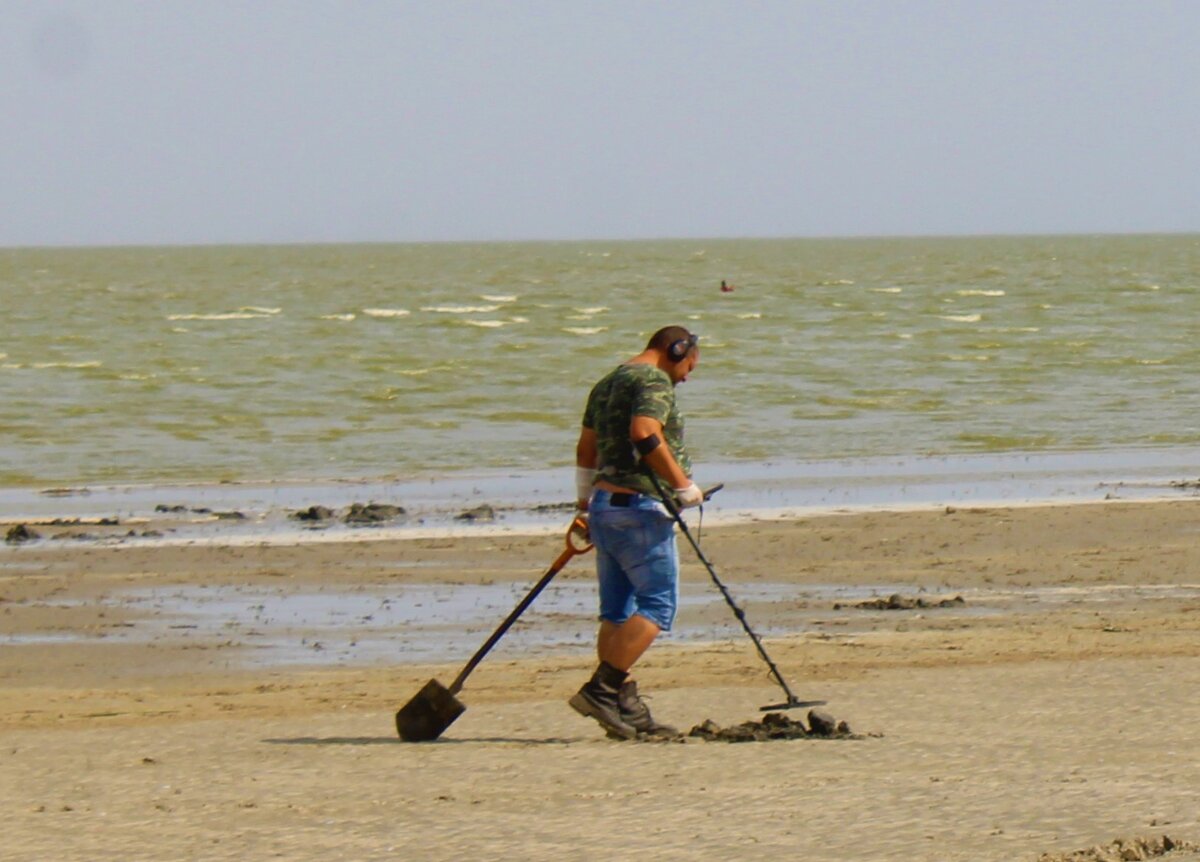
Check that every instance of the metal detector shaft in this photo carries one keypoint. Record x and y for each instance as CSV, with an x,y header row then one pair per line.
x,y
669,502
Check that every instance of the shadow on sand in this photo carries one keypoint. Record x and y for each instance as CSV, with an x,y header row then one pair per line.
x,y
394,740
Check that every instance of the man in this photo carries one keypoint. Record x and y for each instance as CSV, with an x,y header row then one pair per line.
x,y
631,423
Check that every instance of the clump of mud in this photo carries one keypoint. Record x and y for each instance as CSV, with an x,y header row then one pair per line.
x,y
19,533
897,602
776,725
1122,849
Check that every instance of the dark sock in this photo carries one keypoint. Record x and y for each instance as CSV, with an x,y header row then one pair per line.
x,y
608,676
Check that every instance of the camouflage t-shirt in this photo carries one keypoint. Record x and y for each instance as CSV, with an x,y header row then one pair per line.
x,y
628,391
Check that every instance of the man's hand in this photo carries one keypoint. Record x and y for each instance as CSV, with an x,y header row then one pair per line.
x,y
689,496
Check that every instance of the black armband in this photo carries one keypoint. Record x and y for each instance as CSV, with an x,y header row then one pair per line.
x,y
647,445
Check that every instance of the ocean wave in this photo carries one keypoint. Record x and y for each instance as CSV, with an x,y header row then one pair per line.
x,y
93,363
497,297
338,316
421,372
837,282
973,292
585,330
386,312
596,309
460,309
486,324
241,314
887,290
961,318
750,315
255,309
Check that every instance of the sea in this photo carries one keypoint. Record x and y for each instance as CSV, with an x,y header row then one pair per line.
x,y
395,370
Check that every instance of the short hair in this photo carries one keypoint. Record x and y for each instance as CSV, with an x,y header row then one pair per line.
x,y
665,337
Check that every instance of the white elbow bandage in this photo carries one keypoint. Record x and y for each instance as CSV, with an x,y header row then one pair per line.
x,y
584,479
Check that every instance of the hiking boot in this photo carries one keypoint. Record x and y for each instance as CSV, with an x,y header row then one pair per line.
x,y
636,714
598,699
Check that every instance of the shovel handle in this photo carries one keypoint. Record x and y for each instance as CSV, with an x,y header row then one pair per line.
x,y
576,543
578,531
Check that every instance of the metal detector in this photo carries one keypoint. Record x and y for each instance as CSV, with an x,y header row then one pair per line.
x,y
668,500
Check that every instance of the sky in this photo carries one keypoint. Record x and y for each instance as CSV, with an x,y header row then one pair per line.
x,y
284,121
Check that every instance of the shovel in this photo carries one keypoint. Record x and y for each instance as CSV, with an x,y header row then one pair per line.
x,y
435,707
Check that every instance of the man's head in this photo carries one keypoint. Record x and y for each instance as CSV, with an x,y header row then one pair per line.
x,y
679,351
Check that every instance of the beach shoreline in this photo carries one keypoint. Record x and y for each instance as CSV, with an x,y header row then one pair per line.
x,y
539,501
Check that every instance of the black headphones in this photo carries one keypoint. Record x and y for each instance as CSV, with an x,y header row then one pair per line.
x,y
679,350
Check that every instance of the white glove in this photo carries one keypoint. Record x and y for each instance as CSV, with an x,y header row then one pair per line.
x,y
689,496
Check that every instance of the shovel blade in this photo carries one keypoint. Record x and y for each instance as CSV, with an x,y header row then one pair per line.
x,y
428,714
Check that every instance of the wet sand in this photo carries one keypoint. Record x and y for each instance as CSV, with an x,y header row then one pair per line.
x,y
1053,709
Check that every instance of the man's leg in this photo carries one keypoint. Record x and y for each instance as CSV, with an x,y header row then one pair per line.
x,y
621,645
636,564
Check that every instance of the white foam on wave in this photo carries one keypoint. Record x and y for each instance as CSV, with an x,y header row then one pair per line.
x,y
596,309
460,309
386,312
835,282
338,316
256,309
961,318
887,290
227,315
497,297
94,363
585,330
520,320
486,324
974,292
750,315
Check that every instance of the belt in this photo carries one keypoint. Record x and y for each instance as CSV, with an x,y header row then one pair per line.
x,y
621,499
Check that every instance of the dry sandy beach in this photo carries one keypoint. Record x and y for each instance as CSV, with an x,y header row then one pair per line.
x,y
1053,710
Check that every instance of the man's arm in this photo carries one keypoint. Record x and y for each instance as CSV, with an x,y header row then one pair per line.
x,y
660,459
586,458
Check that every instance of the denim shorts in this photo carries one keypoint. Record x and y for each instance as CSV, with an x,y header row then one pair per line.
x,y
636,560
